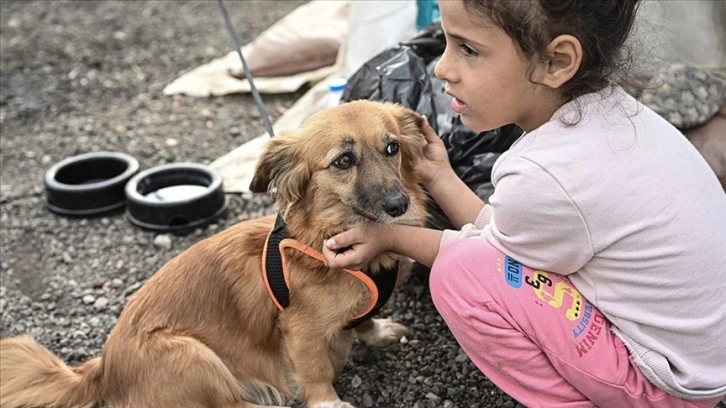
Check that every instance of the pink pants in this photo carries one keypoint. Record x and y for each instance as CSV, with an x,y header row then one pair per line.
x,y
534,335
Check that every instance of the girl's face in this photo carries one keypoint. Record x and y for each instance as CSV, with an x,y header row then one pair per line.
x,y
487,74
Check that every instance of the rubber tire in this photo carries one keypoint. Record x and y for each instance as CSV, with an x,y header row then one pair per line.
x,y
89,184
176,216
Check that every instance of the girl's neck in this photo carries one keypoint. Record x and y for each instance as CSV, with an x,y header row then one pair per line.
x,y
548,103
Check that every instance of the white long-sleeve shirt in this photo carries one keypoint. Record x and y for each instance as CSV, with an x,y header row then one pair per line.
x,y
627,208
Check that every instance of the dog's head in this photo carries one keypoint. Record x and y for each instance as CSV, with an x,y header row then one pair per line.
x,y
345,165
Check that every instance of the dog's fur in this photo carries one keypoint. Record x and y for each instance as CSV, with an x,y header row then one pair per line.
x,y
203,332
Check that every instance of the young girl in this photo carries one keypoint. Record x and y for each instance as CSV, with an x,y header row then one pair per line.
x,y
596,274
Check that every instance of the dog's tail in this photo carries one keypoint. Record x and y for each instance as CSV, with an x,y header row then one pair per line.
x,y
31,376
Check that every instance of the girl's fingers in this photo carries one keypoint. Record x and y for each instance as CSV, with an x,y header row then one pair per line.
x,y
329,256
330,244
344,259
428,131
341,240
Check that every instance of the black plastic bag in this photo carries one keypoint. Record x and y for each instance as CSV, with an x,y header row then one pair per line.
x,y
472,155
399,74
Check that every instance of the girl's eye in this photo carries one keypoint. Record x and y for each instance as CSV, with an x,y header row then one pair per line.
x,y
467,51
344,161
392,148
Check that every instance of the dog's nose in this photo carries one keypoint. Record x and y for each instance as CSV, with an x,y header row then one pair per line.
x,y
396,206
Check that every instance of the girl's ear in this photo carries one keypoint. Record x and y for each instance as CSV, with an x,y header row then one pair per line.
x,y
279,168
565,57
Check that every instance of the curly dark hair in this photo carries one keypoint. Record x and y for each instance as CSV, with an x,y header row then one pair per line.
x,y
601,26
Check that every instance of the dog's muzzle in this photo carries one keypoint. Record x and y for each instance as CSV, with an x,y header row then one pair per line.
x,y
396,206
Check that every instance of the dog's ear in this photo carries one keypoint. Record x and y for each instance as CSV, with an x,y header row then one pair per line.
x,y
279,167
409,124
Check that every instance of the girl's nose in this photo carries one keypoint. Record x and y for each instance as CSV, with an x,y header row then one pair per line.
x,y
441,70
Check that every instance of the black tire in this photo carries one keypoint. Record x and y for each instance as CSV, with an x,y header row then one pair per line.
x,y
147,207
89,184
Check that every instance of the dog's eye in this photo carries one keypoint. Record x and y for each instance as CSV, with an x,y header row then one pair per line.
x,y
344,161
392,148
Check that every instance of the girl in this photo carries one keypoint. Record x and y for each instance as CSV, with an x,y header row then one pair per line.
x,y
596,274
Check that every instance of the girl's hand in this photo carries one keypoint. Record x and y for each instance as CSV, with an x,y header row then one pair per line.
x,y
355,248
435,159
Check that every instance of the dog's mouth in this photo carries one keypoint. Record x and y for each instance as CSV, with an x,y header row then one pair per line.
x,y
366,214
404,219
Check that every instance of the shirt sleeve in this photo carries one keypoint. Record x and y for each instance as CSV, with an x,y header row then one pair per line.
x,y
468,230
532,219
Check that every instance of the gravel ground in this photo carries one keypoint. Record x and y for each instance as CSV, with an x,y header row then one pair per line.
x,y
87,76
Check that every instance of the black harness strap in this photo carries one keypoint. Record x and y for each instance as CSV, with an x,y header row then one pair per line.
x,y
275,277
385,281
274,269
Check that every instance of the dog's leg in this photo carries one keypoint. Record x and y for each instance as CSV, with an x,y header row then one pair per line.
x,y
179,371
317,361
380,332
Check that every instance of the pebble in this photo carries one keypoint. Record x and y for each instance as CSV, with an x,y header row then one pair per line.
x,y
433,397
368,401
89,299
461,357
98,283
163,241
100,303
356,382
78,334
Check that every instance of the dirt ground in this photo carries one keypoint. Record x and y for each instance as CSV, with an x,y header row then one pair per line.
x,y
82,76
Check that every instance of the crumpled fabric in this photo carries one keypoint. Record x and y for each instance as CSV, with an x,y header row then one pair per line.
x,y
686,96
299,49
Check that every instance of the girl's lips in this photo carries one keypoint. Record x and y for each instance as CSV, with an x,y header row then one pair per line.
x,y
457,105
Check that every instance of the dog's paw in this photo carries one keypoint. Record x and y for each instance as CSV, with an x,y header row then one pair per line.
x,y
383,333
332,404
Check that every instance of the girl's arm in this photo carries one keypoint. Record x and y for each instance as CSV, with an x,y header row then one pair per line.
x,y
355,247
459,203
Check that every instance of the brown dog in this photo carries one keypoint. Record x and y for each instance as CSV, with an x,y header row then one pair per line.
x,y
203,331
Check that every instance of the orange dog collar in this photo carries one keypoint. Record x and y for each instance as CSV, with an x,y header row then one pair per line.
x,y
274,273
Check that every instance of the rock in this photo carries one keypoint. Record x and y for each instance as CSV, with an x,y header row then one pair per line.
x,y
368,400
433,397
356,382
163,241
100,303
